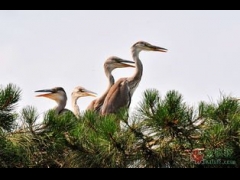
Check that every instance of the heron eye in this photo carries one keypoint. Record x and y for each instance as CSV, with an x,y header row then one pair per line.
x,y
81,90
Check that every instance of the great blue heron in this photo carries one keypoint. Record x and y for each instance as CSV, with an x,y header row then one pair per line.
x,y
59,95
121,92
110,64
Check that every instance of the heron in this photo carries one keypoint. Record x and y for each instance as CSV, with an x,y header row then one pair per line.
x,y
78,92
110,64
120,94
59,95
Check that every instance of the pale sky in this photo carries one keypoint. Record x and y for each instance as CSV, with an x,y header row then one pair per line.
x,y
44,49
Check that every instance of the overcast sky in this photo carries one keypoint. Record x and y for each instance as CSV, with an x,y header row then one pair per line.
x,y
45,49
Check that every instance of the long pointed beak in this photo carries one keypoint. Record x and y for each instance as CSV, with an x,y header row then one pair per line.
x,y
49,94
156,48
90,93
122,63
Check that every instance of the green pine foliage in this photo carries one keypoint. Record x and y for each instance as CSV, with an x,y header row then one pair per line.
x,y
162,132
9,97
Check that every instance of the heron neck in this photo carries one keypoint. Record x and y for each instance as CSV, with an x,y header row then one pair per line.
x,y
97,103
110,80
110,84
137,76
61,105
75,106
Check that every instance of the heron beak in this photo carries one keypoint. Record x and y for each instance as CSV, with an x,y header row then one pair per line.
x,y
90,93
161,49
156,48
123,64
48,95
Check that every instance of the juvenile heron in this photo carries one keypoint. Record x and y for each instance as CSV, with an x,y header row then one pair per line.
x,y
110,64
76,94
59,95
121,92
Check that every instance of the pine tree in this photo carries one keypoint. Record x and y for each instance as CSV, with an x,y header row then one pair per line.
x,y
10,153
162,132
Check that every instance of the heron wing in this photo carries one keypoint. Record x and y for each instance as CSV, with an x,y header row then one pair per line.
x,y
118,97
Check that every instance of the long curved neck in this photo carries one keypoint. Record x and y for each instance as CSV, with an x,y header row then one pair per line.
x,y
97,103
137,76
61,105
111,81
110,84
75,106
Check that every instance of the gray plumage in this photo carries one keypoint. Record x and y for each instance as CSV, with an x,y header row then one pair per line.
x,y
121,92
110,64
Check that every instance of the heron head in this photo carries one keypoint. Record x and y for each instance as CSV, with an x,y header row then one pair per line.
x,y
114,62
145,46
80,91
57,93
